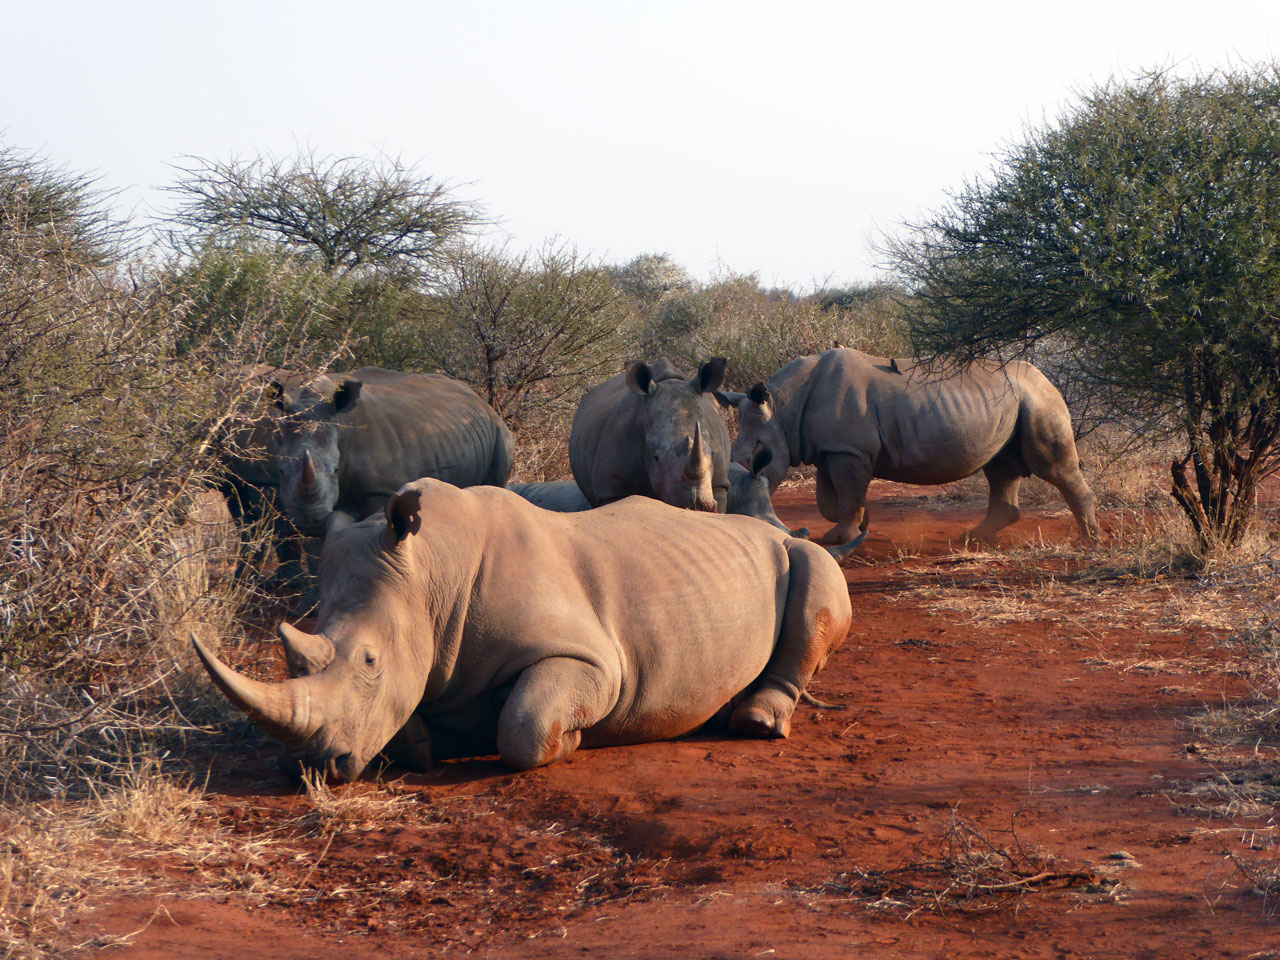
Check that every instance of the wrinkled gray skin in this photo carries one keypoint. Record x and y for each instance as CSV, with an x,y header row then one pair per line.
x,y
749,492
561,496
749,497
471,621
347,442
654,433
856,417
245,445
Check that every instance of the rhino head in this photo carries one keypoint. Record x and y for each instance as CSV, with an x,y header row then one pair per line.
x,y
356,681
759,426
677,456
749,491
307,458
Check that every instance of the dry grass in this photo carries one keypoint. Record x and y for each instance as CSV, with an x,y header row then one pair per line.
x,y
154,834
1143,573
965,869
60,858
356,806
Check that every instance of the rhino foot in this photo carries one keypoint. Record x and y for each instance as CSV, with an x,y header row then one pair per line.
x,y
765,713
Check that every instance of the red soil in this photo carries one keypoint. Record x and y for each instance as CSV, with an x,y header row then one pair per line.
x,y
714,846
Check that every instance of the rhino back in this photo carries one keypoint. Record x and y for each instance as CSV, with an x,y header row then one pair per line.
x,y
915,425
561,496
606,444
407,426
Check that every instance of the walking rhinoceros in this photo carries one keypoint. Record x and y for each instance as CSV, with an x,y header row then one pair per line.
x,y
470,621
651,431
856,417
349,441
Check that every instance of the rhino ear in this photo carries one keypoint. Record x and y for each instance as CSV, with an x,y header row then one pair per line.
x,y
640,379
761,457
346,395
709,376
728,399
402,515
275,394
759,394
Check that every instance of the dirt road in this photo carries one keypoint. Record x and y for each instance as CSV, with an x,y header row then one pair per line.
x,y
959,737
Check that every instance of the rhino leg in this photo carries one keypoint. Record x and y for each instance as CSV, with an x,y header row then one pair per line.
x,y
1049,450
1071,484
552,702
815,623
842,494
1003,479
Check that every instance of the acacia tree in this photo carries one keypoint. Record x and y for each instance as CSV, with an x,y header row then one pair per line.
x,y
61,211
1142,230
350,213
526,329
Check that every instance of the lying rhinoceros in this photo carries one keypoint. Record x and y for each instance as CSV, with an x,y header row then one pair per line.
x,y
561,496
856,417
349,441
652,432
470,621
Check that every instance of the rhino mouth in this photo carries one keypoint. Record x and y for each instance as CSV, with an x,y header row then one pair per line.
x,y
331,767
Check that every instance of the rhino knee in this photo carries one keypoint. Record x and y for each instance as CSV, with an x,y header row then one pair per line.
x,y
530,742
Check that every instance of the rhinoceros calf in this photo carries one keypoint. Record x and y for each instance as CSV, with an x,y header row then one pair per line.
x,y
856,417
347,442
471,621
562,496
650,431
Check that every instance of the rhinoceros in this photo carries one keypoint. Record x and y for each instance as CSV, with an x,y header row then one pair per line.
x,y
470,621
243,439
347,442
561,496
748,497
652,432
856,416
749,492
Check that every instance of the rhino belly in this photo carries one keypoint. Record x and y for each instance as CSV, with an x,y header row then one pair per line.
x,y
943,443
679,694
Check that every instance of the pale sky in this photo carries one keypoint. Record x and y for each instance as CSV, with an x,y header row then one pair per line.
x,y
776,138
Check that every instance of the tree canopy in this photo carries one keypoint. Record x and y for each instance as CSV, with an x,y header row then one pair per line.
x,y
348,212
1140,235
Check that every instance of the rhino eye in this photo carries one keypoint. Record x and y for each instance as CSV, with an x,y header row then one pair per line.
x,y
370,660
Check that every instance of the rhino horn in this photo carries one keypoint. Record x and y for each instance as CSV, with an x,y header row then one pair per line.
x,y
842,551
283,710
305,653
308,474
697,466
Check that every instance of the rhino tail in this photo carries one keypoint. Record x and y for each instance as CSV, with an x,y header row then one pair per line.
x,y
842,551
813,701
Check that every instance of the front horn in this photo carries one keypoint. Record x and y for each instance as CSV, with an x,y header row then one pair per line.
x,y
696,469
308,474
284,710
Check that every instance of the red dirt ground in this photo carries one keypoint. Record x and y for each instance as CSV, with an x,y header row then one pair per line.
x,y
714,846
